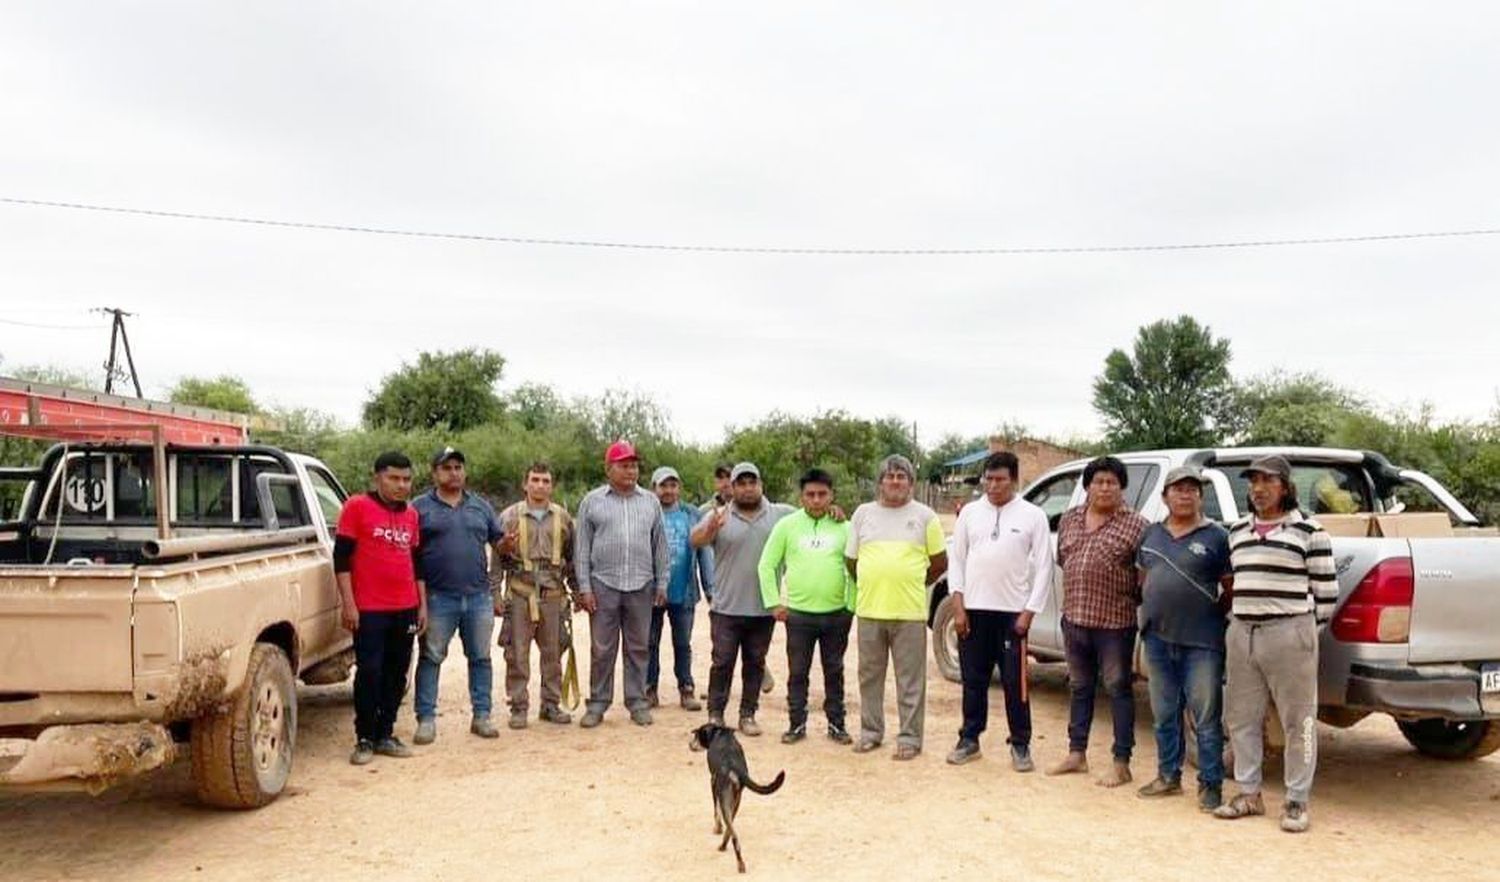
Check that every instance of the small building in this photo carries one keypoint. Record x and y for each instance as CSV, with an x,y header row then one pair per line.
x,y
960,476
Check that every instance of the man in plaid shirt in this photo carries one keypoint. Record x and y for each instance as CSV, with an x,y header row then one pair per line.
x,y
1096,547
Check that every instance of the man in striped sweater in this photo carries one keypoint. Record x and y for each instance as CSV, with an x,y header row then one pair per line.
x,y
1285,587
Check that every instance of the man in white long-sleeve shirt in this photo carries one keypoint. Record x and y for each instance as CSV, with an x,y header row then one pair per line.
x,y
999,579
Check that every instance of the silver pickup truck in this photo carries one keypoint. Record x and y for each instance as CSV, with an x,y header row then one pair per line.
x,y
1416,633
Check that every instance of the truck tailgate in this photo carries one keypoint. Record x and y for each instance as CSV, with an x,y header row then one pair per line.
x,y
1455,613
64,633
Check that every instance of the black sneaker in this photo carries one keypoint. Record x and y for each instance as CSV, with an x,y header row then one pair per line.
x,y
392,746
794,734
1020,758
1210,797
364,753
839,735
965,751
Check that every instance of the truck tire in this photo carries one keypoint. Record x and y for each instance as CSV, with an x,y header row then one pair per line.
x,y
1449,740
242,751
945,641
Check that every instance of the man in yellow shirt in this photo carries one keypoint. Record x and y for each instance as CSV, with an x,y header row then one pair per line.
x,y
895,551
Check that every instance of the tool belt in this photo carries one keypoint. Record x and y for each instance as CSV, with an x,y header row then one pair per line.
x,y
533,595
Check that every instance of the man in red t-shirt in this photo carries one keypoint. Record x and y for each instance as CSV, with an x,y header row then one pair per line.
x,y
384,601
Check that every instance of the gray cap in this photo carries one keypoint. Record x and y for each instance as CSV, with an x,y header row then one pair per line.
x,y
664,473
744,468
1274,464
1184,473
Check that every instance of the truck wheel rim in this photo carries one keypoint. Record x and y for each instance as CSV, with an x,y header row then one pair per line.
x,y
268,728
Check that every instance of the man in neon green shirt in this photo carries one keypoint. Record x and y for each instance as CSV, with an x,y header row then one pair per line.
x,y
816,607
895,551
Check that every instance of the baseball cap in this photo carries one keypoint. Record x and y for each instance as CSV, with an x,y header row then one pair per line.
x,y
1184,473
446,454
744,468
664,473
621,451
1274,464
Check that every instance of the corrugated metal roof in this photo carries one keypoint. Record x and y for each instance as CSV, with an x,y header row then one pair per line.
x,y
969,458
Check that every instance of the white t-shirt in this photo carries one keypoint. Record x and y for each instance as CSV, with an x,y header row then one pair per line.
x,y
1002,556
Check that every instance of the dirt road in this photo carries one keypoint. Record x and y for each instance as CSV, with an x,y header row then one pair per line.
x,y
633,803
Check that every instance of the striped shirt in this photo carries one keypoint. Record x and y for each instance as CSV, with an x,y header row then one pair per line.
x,y
620,541
1287,572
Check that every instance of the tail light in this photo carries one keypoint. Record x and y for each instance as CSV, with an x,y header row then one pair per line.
x,y
1379,610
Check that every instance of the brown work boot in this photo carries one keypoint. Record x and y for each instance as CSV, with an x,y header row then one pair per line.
x,y
652,698
689,703
1119,773
1076,761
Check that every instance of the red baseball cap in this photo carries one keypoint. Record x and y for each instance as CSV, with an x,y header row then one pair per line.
x,y
621,451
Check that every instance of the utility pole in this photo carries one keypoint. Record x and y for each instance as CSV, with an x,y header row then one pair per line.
x,y
118,338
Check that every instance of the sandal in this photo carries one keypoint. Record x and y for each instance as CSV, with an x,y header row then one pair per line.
x,y
866,746
906,752
1242,806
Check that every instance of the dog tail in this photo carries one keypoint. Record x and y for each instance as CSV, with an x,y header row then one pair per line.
x,y
766,789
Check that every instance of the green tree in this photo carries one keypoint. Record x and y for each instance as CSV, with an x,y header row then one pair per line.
x,y
536,406
1290,408
57,375
848,447
1172,390
224,392
452,390
299,429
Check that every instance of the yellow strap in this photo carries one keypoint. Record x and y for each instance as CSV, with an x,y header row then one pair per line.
x,y
523,534
558,513
570,690
529,594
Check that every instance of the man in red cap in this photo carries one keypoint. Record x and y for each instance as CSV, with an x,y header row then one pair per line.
x,y
623,565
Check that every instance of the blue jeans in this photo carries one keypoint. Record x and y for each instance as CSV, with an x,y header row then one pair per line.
x,y
472,615
1191,678
680,617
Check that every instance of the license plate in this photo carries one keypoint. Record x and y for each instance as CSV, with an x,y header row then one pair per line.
x,y
1489,678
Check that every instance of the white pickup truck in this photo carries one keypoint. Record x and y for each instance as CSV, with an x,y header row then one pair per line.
x,y
1416,633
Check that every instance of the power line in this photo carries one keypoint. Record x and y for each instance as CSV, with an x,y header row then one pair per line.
x,y
49,326
751,249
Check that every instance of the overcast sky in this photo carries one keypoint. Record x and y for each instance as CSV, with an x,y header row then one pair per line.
x,y
853,125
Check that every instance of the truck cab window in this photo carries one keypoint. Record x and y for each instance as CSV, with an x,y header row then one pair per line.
x,y
205,489
330,497
103,486
1322,488
1053,496
1142,477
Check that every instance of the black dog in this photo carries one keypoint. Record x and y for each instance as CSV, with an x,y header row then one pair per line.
x,y
728,776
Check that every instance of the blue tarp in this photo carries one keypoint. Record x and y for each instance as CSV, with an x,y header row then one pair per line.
x,y
968,458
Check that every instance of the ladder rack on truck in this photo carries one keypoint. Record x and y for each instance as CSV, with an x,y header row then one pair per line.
x,y
80,416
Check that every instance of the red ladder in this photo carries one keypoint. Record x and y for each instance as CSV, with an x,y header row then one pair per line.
x,y
37,410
